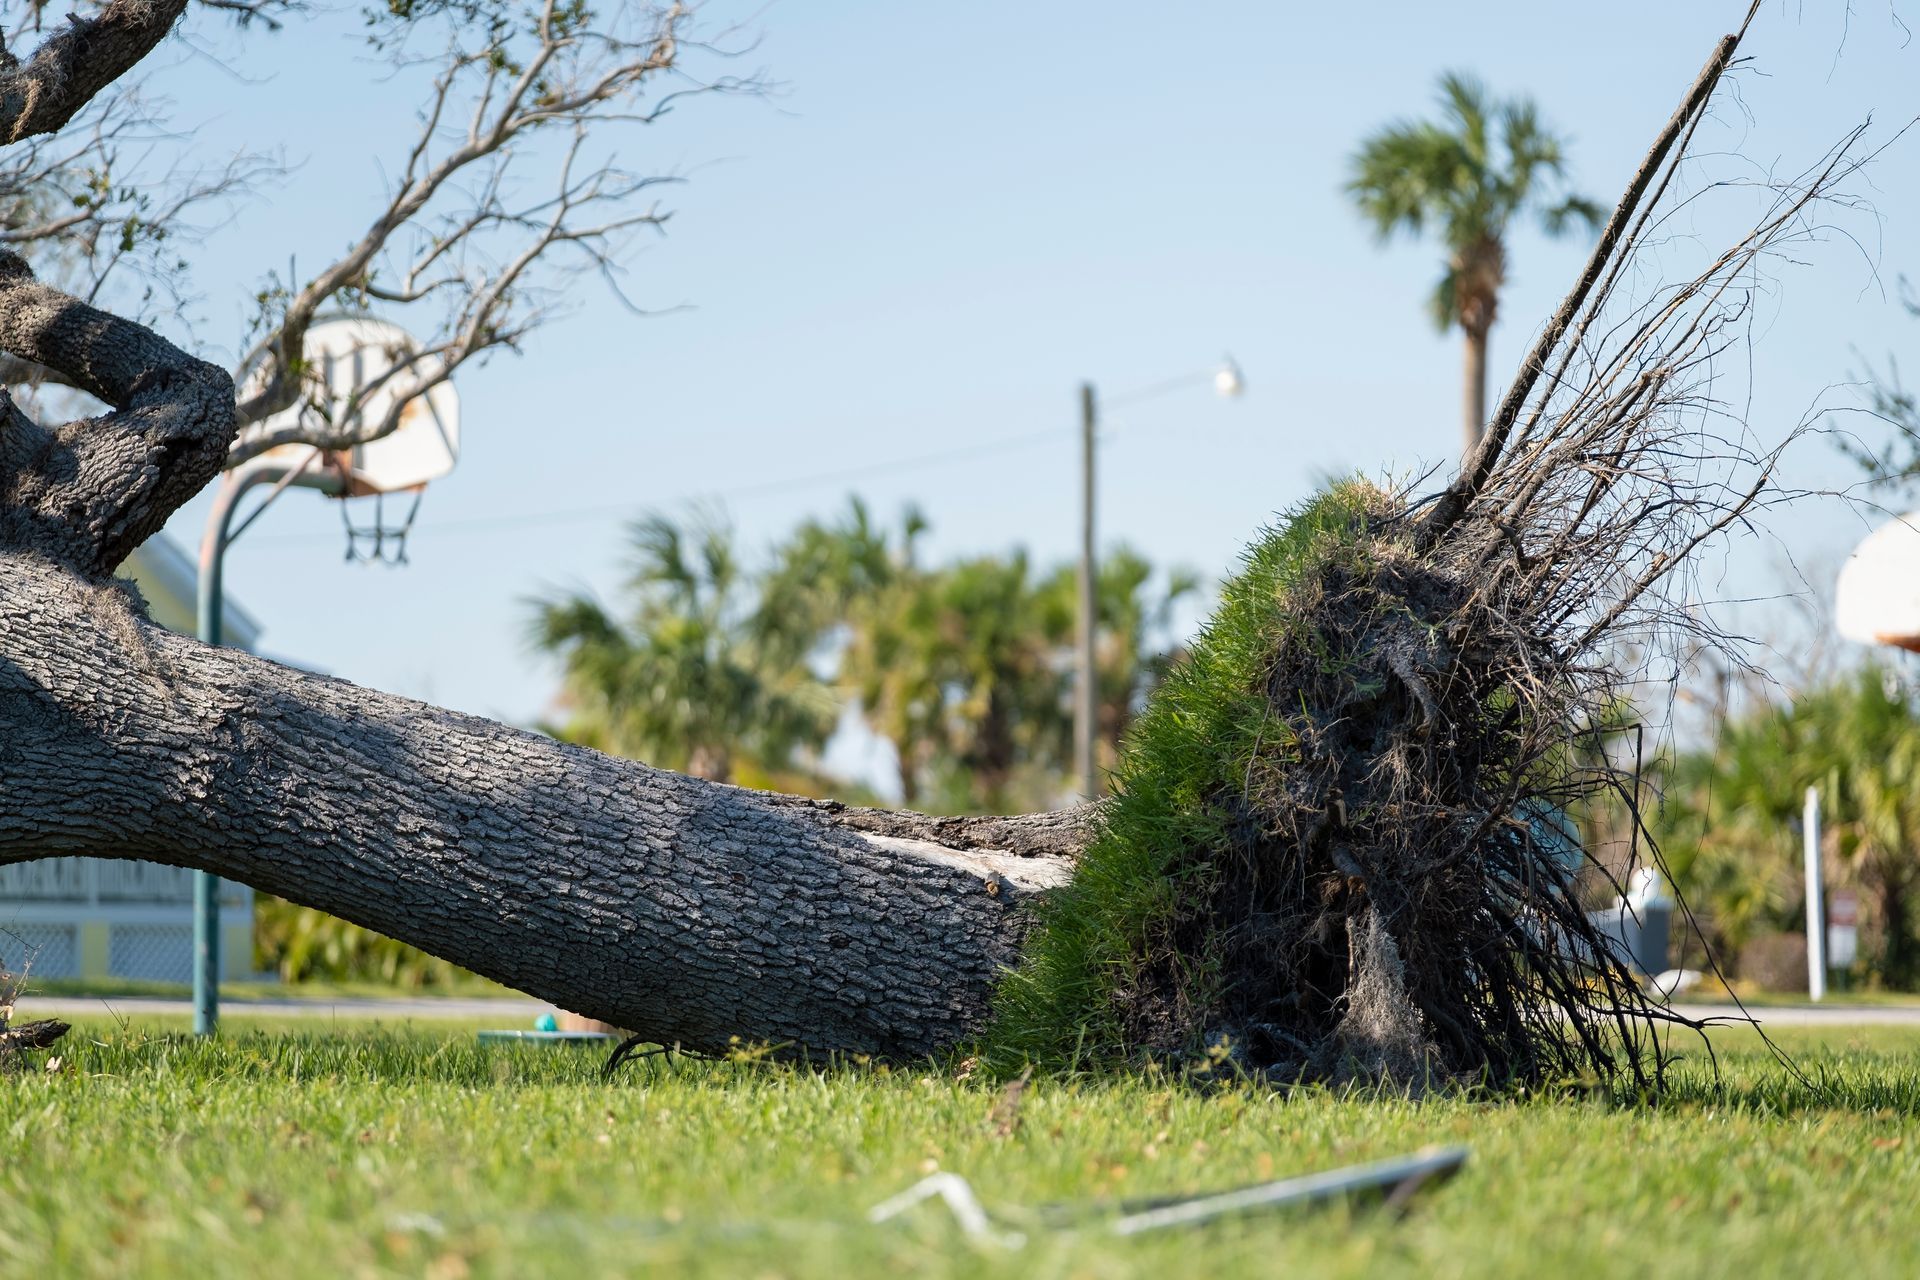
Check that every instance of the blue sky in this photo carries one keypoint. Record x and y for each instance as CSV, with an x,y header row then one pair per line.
x,y
947,217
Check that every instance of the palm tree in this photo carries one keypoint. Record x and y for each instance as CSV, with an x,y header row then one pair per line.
x,y
963,669
1006,708
1451,176
950,665
695,681
857,591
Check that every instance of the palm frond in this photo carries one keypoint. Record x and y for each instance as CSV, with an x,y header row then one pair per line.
x,y
1443,305
1556,219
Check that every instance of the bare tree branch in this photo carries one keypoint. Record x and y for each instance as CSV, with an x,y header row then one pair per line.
x,y
454,234
492,308
1475,468
247,12
101,198
88,492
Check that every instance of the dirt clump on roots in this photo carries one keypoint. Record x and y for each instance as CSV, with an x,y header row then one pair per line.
x,y
1319,854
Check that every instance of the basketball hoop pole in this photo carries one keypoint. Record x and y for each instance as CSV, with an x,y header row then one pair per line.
x,y
212,598
350,353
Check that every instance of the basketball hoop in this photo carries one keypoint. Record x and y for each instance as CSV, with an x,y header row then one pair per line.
x,y
350,355
369,544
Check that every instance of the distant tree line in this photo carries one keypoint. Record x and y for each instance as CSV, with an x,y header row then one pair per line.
x,y
741,672
1730,817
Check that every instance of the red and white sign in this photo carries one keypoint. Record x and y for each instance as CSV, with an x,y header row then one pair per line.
x,y
1843,928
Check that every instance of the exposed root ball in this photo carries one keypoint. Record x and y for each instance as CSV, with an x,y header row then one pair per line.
x,y
1332,841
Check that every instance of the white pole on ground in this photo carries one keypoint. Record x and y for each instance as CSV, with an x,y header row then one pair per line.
x,y
1816,902
1086,704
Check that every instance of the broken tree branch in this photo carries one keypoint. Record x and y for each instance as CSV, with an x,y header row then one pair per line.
x,y
50,88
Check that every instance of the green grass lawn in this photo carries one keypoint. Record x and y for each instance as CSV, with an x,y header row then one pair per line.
x,y
286,1151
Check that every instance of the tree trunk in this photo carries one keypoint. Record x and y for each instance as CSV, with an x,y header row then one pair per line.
x,y
689,911
909,774
1474,400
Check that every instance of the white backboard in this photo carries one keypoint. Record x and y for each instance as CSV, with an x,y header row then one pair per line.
x,y
348,353
1877,600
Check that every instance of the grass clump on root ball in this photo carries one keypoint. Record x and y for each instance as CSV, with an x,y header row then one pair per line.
x,y
1318,849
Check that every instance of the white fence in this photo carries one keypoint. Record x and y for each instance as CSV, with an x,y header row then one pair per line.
x,y
109,918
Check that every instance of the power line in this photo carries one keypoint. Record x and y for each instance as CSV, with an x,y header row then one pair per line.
x,y
563,515
600,511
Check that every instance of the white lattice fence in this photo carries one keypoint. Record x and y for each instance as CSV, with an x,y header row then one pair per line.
x,y
101,918
151,952
51,949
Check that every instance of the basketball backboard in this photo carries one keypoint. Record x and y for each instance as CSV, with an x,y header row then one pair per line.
x,y
349,353
1877,600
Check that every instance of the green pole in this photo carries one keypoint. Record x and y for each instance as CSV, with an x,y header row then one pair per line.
x,y
206,886
213,552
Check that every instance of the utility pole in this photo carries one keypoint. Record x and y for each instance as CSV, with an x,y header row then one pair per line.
x,y
1227,382
1085,702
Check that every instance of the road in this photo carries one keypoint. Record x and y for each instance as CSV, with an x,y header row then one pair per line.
x,y
1811,1015
513,1012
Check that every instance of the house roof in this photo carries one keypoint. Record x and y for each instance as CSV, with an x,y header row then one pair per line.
x,y
169,580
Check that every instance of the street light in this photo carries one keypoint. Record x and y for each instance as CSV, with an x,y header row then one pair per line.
x,y
1229,383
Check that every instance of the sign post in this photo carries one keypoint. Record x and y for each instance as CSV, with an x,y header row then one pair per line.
x,y
1843,929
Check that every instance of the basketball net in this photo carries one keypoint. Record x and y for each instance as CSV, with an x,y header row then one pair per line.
x,y
380,542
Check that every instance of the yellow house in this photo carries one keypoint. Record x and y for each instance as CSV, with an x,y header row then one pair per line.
x,y
109,918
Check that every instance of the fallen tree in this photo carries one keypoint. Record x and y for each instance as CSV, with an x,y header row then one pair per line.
x,y
687,910
1326,840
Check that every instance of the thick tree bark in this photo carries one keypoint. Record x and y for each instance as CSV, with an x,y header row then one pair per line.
x,y
690,911
87,493
84,56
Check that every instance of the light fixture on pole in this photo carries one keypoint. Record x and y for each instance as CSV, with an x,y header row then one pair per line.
x,y
1229,383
